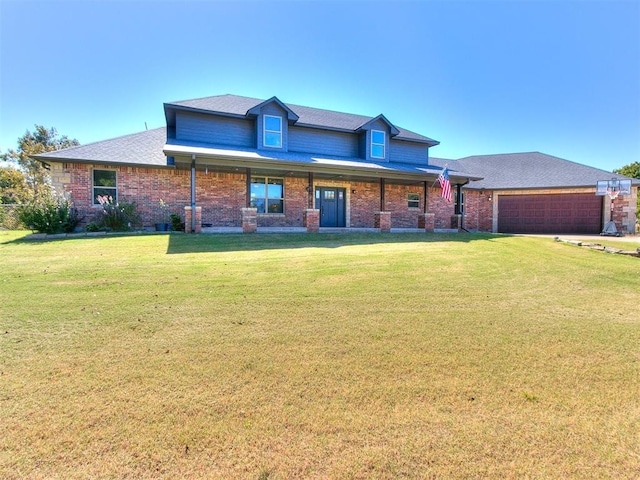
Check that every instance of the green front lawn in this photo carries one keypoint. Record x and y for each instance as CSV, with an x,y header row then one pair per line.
x,y
317,356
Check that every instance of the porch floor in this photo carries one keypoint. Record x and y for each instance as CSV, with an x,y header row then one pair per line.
x,y
322,230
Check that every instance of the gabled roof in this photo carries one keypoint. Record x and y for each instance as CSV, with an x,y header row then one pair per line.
x,y
291,115
234,105
143,149
367,125
526,170
148,148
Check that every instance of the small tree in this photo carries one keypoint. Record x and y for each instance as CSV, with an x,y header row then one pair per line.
x,y
632,170
42,140
13,186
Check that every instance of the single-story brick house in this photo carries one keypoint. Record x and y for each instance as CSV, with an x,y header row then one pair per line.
x,y
228,162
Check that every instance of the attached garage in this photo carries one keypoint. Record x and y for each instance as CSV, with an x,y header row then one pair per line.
x,y
550,213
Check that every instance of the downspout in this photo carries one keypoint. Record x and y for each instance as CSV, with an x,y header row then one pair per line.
x,y
247,190
425,194
193,192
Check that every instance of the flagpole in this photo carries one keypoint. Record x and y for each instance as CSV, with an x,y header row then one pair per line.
x,y
443,169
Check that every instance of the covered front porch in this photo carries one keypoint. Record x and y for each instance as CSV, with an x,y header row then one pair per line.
x,y
250,192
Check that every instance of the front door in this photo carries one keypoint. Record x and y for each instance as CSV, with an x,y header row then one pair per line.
x,y
331,203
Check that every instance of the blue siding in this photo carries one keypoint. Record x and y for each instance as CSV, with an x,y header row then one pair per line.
x,y
213,129
322,142
247,133
383,127
362,144
408,152
275,110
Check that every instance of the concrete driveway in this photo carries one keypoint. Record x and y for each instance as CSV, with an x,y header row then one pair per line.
x,y
591,238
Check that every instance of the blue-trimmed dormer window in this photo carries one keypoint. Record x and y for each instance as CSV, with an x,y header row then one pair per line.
x,y
378,142
272,130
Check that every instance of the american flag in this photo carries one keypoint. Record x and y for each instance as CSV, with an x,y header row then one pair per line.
x,y
445,184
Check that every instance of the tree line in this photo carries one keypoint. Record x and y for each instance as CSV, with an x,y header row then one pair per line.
x,y
24,178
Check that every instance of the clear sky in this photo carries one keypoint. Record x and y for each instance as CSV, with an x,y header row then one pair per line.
x,y
561,77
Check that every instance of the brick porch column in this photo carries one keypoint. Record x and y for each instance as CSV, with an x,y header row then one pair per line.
x,y
312,220
249,220
383,221
188,222
427,221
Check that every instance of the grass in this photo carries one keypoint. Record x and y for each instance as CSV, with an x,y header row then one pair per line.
x,y
317,356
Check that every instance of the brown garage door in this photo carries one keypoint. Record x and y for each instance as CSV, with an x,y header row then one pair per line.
x,y
575,213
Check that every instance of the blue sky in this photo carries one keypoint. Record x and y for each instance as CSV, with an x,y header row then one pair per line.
x,y
561,77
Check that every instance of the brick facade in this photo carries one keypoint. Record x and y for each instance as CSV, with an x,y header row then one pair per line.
x,y
440,207
222,196
478,207
145,186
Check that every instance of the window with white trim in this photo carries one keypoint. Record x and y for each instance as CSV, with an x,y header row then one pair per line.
x,y
105,184
272,131
377,144
267,194
413,200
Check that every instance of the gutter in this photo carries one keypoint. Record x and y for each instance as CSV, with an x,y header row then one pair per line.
x,y
254,159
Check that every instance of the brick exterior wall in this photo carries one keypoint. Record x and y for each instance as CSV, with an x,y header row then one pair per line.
x,y
396,202
295,203
442,209
145,186
478,208
222,198
362,204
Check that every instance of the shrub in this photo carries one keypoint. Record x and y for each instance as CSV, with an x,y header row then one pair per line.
x,y
93,227
177,224
49,214
118,216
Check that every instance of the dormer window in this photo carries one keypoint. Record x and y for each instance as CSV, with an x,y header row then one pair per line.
x,y
272,128
378,144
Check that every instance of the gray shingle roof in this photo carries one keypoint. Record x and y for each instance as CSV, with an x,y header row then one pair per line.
x,y
144,148
527,170
316,117
307,160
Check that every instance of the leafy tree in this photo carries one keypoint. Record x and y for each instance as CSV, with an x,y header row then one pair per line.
x,y
13,186
41,140
632,170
